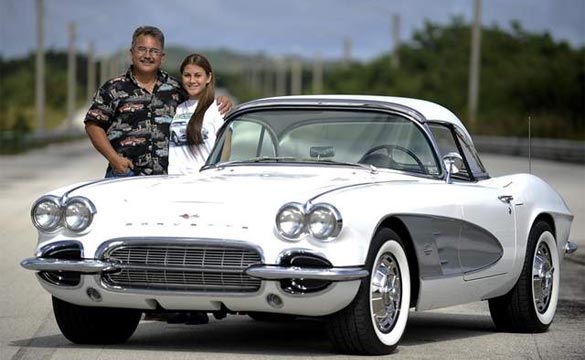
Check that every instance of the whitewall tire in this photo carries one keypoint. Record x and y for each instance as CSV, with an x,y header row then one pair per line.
x,y
532,303
374,322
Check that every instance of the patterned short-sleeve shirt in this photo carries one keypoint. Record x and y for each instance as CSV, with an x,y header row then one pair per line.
x,y
136,121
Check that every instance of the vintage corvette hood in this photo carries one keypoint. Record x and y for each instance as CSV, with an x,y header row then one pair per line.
x,y
243,185
238,202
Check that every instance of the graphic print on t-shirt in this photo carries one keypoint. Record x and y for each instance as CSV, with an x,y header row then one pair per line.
x,y
178,131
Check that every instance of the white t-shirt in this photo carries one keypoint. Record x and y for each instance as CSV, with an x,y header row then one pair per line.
x,y
185,159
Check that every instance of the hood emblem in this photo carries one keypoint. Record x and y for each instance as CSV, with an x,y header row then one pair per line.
x,y
187,216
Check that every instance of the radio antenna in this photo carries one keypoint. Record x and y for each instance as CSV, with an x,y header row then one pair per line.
x,y
529,146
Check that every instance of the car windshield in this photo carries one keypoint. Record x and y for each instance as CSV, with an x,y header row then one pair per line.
x,y
325,137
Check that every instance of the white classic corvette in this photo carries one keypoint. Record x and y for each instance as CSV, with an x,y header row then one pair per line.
x,y
354,209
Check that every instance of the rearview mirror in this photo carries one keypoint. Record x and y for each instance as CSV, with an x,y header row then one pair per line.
x,y
320,152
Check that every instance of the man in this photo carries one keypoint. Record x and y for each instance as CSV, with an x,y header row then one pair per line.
x,y
128,122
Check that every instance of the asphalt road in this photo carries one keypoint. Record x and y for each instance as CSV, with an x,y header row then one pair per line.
x,y
28,329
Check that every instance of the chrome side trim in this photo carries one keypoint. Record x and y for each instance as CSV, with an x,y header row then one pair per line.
x,y
448,246
570,247
81,266
274,272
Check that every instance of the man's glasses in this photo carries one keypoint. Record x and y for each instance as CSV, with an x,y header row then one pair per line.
x,y
141,50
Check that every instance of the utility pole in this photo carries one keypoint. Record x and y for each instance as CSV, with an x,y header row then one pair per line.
x,y
267,79
474,67
296,74
90,71
113,66
280,76
318,75
71,76
255,77
40,69
347,45
395,41
103,70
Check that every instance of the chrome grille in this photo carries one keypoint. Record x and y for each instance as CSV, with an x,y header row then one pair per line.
x,y
185,267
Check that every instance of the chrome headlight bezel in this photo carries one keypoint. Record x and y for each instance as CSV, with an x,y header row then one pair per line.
x,y
333,217
294,209
83,204
60,208
308,218
55,203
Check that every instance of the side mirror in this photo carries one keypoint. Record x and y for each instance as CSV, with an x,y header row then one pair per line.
x,y
453,161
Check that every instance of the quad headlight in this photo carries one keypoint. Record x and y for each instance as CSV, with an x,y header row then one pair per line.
x,y
78,214
46,213
322,221
290,221
50,213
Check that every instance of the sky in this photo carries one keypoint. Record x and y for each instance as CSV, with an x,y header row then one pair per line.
x,y
308,28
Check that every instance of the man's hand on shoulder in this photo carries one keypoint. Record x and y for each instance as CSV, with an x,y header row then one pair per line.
x,y
224,104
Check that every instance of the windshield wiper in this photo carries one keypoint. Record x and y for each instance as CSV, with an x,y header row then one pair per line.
x,y
345,163
261,159
258,159
271,158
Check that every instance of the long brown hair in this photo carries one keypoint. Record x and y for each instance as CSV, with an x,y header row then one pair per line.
x,y
206,98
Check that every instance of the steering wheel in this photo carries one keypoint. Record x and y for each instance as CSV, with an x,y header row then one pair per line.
x,y
385,160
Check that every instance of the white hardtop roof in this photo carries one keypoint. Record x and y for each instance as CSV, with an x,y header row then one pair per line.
x,y
430,110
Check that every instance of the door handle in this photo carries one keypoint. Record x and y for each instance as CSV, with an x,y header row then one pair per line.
x,y
506,198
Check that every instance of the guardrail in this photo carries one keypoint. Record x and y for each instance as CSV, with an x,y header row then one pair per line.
x,y
14,143
549,149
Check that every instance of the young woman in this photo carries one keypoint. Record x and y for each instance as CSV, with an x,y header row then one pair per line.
x,y
197,120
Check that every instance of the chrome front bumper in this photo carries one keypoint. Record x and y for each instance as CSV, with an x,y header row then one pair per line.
x,y
273,272
81,266
263,272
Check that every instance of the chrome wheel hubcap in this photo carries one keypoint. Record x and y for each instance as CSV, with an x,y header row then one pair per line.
x,y
386,293
542,277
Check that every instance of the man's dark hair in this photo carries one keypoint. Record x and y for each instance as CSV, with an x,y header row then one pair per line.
x,y
150,31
